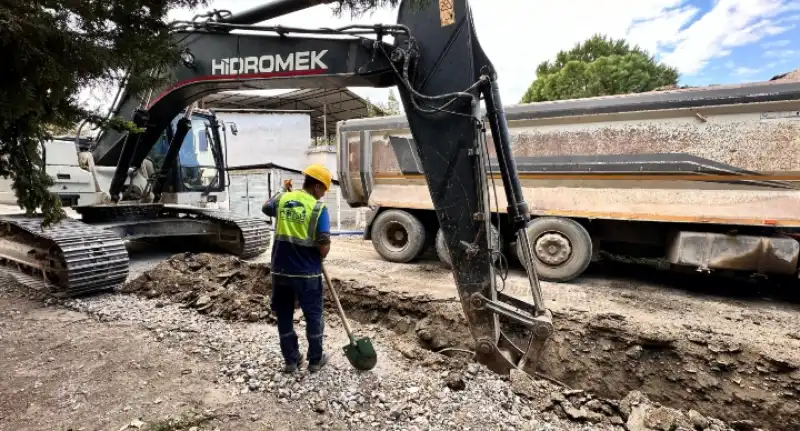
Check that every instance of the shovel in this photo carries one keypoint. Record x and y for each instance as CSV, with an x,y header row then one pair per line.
x,y
359,351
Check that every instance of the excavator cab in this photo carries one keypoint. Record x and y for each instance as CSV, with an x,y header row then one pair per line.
x,y
197,174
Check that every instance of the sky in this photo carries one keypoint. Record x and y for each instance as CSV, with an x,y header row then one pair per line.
x,y
708,41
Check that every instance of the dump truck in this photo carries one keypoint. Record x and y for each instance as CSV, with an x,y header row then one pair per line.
x,y
702,178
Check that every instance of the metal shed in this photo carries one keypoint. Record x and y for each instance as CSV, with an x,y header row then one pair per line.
x,y
326,106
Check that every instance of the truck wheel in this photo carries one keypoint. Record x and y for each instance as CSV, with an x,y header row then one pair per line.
x,y
444,255
562,248
441,250
398,236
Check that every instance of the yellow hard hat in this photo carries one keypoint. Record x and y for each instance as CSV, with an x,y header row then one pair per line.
x,y
319,173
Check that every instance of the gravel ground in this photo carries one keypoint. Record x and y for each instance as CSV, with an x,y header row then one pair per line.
x,y
399,394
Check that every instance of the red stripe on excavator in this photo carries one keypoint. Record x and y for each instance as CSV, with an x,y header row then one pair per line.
x,y
240,76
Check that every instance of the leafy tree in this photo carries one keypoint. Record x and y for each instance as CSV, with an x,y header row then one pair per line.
x,y
373,110
54,48
381,109
393,105
600,66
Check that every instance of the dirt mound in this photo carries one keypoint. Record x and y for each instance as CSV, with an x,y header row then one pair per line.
x,y
218,285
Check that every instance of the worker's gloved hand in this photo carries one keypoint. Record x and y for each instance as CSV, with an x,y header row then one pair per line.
x,y
287,185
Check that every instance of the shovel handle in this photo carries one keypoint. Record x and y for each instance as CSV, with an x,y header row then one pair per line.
x,y
338,305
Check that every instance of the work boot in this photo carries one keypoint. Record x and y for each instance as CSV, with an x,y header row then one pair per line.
x,y
291,367
316,366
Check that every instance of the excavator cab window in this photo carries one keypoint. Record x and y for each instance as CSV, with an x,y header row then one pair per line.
x,y
198,164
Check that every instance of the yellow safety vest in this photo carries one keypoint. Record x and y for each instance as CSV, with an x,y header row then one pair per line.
x,y
298,213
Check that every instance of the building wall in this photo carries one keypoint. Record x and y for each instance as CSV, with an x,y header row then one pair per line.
x,y
324,155
277,138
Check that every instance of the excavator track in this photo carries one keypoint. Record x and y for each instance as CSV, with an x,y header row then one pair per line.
x,y
76,257
244,237
68,258
254,238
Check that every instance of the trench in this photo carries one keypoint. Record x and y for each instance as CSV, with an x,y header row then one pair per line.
x,y
604,354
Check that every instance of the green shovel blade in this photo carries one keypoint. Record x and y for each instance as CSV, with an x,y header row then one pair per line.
x,y
361,354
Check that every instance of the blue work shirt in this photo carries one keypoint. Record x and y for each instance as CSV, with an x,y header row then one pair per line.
x,y
292,259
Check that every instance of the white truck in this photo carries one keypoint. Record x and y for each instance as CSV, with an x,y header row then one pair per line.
x,y
705,178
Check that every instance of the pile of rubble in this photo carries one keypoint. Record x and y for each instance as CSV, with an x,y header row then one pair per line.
x,y
635,412
219,286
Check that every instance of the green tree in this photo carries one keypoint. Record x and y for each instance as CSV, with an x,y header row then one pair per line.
x,y
373,110
393,105
600,66
54,48
381,109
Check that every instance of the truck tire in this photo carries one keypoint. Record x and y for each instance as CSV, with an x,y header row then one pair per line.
x,y
398,236
441,250
444,255
562,248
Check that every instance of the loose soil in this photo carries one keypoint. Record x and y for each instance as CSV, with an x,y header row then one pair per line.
x,y
220,286
737,359
726,358
684,342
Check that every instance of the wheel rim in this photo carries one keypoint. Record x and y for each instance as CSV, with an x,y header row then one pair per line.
x,y
395,236
553,248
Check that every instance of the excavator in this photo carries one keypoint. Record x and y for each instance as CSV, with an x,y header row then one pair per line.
x,y
441,72
172,198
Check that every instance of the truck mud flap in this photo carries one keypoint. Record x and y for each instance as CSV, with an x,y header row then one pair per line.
x,y
371,214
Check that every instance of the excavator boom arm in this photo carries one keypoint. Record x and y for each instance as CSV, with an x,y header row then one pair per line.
x,y
441,74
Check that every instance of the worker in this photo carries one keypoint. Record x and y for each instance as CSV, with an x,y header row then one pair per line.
x,y
301,242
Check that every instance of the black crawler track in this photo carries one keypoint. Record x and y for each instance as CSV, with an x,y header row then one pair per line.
x,y
85,259
252,240
254,233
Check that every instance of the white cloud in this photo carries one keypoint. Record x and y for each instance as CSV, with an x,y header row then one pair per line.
x,y
749,71
730,24
742,71
664,30
776,63
776,43
781,53
516,49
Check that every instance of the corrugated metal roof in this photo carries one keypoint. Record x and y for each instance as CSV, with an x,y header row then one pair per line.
x,y
270,166
333,104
